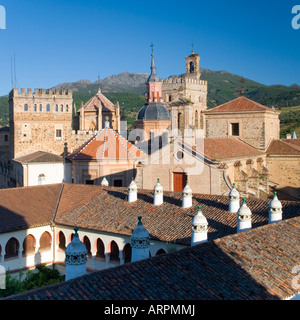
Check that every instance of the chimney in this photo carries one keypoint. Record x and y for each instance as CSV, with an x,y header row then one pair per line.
x,y
132,191
104,182
199,228
187,196
158,194
244,218
275,209
75,258
140,242
234,200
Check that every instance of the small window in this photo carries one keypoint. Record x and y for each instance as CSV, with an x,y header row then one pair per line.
x,y
61,108
41,108
6,138
235,129
118,183
170,98
58,134
67,108
34,108
56,108
25,107
48,107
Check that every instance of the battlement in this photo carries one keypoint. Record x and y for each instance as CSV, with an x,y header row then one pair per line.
x,y
184,80
22,93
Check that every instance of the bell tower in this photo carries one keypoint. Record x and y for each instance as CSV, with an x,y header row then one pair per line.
x,y
193,65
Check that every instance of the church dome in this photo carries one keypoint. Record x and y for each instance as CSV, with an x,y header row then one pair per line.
x,y
154,111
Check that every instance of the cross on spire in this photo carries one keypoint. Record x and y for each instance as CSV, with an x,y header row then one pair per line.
x,y
152,46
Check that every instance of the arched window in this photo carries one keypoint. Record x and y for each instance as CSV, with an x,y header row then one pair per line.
x,y
41,108
48,107
56,108
62,241
114,252
127,253
196,120
170,98
160,251
61,108
11,248
29,244
25,107
87,243
100,249
67,108
34,107
45,241
192,67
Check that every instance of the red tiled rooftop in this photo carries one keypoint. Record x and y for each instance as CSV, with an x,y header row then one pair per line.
x,y
99,100
106,144
284,147
240,104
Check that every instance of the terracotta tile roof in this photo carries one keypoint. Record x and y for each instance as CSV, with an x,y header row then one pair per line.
x,y
240,104
99,100
40,156
252,265
21,208
284,147
106,144
227,148
107,209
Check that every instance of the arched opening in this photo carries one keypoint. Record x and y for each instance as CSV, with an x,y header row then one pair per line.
x,y
100,253
11,248
127,253
87,243
48,107
45,241
196,120
192,67
114,252
61,241
180,123
29,244
160,251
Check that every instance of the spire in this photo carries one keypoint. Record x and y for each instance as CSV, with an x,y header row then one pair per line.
x,y
275,209
244,218
187,196
234,200
104,182
199,228
132,191
140,242
153,76
75,257
294,136
158,194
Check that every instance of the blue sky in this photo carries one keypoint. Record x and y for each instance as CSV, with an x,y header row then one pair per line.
x,y
59,41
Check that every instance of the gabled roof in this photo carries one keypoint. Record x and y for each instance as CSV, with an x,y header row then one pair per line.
x,y
39,157
284,147
240,104
252,265
219,149
107,144
106,209
99,100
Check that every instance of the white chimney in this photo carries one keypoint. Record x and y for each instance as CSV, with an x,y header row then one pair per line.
x,y
244,218
104,182
234,200
140,242
199,228
75,258
187,196
132,191
158,194
275,209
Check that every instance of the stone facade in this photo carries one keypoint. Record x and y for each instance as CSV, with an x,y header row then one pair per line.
x,y
185,96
